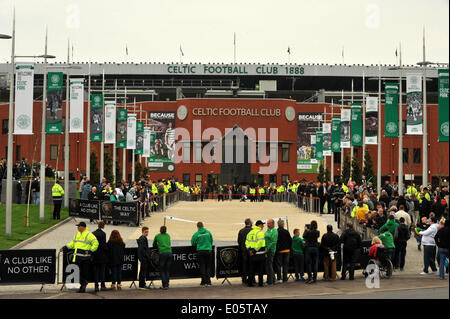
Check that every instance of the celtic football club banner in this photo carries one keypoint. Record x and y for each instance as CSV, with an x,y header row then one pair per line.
x,y
307,125
443,105
96,117
336,135
110,122
391,110
122,116
162,157
326,139
414,104
23,111
147,135
371,120
356,124
54,103
345,128
131,132
319,145
139,138
76,106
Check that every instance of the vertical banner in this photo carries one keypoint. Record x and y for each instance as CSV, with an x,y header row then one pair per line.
x,y
313,150
319,146
326,139
162,156
110,122
414,104
345,128
54,103
391,110
76,114
147,136
371,120
443,105
122,116
139,138
336,134
23,106
307,125
131,132
356,124
96,117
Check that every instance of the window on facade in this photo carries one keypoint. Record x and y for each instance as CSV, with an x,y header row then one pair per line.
x,y
18,153
416,155
285,152
405,155
198,179
273,179
5,124
186,179
130,156
284,178
53,152
337,158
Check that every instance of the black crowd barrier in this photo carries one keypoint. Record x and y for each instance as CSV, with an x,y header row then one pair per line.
x,y
105,210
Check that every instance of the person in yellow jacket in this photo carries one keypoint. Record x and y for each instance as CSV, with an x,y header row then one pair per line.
x,y
84,243
411,191
256,247
57,194
261,194
357,206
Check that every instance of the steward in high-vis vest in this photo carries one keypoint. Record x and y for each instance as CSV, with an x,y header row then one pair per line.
x,y
84,243
252,193
256,246
57,194
261,194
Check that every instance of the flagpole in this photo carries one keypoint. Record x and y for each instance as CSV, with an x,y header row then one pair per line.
x,y
88,130
342,149
424,120
44,108
234,48
132,151
351,140
124,150
66,133
379,134
400,129
102,145
332,153
363,119
115,140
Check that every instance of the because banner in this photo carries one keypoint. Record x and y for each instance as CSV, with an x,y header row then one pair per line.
x,y
96,117
443,105
371,120
336,135
162,154
54,103
391,110
76,106
131,132
122,116
307,125
414,104
23,106
326,139
319,145
139,138
356,116
147,136
110,122
345,128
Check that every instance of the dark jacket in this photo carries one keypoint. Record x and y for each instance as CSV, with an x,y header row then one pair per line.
x,y
402,233
380,220
425,208
442,236
93,195
242,236
284,239
310,237
329,241
100,256
351,239
143,250
116,251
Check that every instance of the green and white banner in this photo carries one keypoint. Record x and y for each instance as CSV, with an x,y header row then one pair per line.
x,y
307,125
443,105
391,110
147,136
23,106
131,132
371,120
313,149
336,134
414,118
54,103
319,146
122,116
96,117
345,128
326,139
139,138
110,122
356,124
76,106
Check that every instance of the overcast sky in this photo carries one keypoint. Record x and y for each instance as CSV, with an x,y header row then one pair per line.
x,y
316,31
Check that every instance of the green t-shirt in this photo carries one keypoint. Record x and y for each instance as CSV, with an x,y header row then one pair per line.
x,y
298,245
163,243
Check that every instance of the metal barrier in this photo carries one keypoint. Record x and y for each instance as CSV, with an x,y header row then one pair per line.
x,y
366,233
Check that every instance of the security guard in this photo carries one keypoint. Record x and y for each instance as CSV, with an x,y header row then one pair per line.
x,y
252,193
411,191
261,194
84,243
57,194
256,246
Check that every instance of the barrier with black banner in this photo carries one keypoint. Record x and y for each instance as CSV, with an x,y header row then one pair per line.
x,y
229,262
84,208
185,263
105,210
28,266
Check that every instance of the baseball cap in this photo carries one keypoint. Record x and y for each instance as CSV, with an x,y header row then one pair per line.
x,y
259,222
83,224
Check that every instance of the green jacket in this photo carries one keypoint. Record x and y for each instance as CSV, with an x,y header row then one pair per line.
x,y
390,225
271,238
298,245
202,239
387,239
162,241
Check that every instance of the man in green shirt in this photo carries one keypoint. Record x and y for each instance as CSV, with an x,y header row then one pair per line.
x,y
271,238
203,241
388,241
162,242
298,246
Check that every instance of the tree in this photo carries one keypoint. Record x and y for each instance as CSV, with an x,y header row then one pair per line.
x,y
356,170
346,169
108,168
320,176
118,172
326,175
368,168
95,174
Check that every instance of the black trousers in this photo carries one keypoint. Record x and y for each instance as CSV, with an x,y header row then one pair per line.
x,y
322,204
245,266
282,261
57,209
143,274
349,261
84,266
204,257
99,274
257,265
400,254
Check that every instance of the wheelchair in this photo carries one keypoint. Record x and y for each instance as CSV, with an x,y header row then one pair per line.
x,y
383,265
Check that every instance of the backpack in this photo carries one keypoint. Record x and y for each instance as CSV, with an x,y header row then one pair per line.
x,y
403,233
